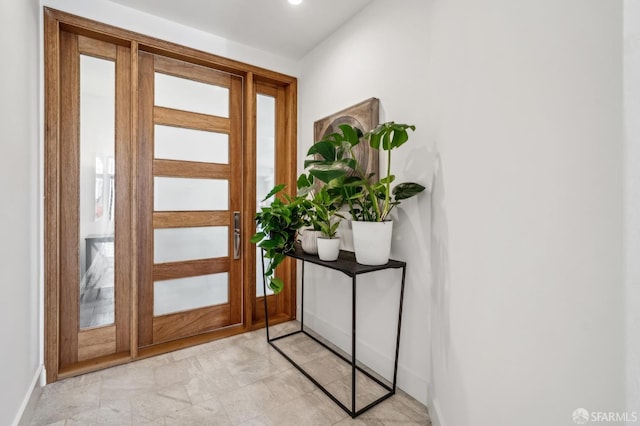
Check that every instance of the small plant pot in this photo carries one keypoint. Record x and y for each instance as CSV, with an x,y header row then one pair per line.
x,y
372,242
309,240
328,248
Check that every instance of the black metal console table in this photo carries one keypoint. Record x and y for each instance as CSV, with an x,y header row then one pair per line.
x,y
346,264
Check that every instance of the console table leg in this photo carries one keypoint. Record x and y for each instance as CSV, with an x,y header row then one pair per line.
x,y
302,299
264,289
353,347
395,365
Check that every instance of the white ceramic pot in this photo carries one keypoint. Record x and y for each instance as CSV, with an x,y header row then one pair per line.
x,y
328,248
372,241
309,240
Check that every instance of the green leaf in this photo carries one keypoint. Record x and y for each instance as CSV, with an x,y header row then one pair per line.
x,y
400,136
302,192
407,190
303,181
323,148
269,244
386,143
374,140
257,237
276,284
350,134
327,175
278,258
387,179
274,191
313,162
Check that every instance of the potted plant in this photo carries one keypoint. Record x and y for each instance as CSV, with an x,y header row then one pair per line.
x,y
369,201
323,215
277,225
311,231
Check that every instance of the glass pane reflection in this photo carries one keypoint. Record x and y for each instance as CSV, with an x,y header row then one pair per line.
x,y
189,95
190,293
177,244
265,167
97,191
185,194
177,143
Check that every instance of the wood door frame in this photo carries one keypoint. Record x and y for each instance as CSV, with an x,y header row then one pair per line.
x,y
90,342
281,307
57,21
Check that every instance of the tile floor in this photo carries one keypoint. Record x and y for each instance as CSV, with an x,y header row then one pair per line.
x,y
236,381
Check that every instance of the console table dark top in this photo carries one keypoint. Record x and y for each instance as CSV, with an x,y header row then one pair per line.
x,y
346,262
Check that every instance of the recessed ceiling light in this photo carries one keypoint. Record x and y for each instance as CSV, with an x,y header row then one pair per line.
x,y
295,2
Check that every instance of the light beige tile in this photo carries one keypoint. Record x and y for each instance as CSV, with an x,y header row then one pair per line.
x,y
204,348
356,422
327,369
152,406
255,369
256,421
367,390
68,385
301,348
177,372
300,411
176,392
154,361
247,402
281,329
241,381
61,404
197,415
210,385
58,423
157,422
118,414
403,409
326,406
235,354
288,385
211,362
127,383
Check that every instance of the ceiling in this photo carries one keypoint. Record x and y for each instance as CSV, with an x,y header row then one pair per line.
x,y
271,25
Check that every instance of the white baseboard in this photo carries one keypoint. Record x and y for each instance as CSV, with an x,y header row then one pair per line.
x,y
28,406
434,412
408,381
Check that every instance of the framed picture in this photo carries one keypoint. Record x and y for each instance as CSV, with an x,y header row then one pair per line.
x,y
364,116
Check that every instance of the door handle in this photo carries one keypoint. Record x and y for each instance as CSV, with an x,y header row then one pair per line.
x,y
236,235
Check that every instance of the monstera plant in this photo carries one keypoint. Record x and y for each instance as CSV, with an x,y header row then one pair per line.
x,y
370,198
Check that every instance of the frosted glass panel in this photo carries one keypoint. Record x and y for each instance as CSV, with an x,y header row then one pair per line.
x,y
188,95
176,244
265,167
190,293
181,194
176,143
97,191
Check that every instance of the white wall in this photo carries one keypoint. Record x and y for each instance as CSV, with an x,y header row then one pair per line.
x,y
632,197
525,110
144,23
19,260
347,68
521,105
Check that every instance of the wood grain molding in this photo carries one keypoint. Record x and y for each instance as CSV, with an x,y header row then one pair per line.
x,y
136,332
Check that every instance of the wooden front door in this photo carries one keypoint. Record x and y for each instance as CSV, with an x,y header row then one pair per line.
x,y
150,176
190,199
